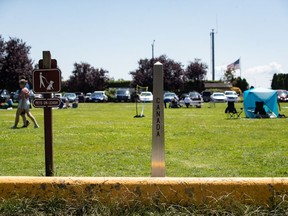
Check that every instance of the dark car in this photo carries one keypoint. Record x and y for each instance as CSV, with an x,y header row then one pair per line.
x,y
206,95
123,95
4,95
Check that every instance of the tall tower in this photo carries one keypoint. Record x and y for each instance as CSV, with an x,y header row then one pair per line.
x,y
212,54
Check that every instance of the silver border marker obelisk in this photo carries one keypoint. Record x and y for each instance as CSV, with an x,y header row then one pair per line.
x,y
158,147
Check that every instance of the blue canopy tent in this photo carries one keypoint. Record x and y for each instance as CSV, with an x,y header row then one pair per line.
x,y
267,96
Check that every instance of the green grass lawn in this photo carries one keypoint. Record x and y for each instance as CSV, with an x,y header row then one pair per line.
x,y
106,140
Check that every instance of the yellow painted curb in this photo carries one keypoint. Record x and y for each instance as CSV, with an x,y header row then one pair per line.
x,y
182,191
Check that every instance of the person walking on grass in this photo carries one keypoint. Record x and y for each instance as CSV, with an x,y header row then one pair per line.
x,y
24,106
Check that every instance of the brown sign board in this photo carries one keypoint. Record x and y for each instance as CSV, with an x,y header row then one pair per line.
x,y
46,80
46,102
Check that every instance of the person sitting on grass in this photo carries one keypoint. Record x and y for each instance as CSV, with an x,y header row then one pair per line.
x,y
187,101
75,104
7,105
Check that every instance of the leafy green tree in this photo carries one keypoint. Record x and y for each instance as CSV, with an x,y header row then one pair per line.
x,y
240,83
86,78
229,76
2,51
196,70
195,74
173,73
14,63
279,81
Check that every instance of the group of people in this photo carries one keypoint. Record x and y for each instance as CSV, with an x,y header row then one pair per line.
x,y
174,102
7,105
23,108
64,104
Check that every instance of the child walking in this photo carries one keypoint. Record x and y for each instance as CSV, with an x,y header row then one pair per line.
x,y
24,105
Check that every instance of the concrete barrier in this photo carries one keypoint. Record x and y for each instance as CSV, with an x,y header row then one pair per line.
x,y
182,191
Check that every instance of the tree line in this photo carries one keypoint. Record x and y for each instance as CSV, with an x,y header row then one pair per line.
x,y
280,81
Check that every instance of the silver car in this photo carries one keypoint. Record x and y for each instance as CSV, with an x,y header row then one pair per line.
x,y
218,97
98,96
231,96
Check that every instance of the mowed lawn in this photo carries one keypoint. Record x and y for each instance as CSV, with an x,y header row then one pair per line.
x,y
106,140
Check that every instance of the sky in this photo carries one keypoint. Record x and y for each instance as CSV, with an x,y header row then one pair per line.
x,y
115,35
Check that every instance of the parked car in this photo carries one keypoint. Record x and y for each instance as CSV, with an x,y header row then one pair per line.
x,y
87,97
4,95
123,95
168,96
195,96
282,95
146,96
206,95
70,96
231,96
218,97
57,95
195,99
98,96
33,95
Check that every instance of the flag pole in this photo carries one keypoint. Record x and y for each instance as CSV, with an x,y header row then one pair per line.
x,y
240,66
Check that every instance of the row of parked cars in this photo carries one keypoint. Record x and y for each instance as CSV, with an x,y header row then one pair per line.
x,y
120,95
125,96
146,96
206,96
100,96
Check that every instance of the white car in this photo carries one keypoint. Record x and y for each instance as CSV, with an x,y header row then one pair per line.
x,y
218,97
146,97
231,96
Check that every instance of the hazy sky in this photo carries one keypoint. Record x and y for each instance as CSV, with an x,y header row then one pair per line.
x,y
114,34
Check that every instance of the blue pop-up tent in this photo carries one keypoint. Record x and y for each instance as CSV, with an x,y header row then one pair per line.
x,y
267,96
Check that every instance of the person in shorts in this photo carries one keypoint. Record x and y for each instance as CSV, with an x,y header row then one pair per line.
x,y
24,106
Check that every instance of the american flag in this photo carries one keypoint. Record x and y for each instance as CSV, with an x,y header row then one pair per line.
x,y
235,65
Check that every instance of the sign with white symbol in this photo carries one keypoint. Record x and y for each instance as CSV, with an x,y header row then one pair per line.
x,y
46,80
46,102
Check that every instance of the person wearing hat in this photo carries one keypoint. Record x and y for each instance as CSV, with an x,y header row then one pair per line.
x,y
24,106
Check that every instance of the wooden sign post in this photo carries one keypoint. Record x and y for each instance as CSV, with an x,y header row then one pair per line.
x,y
47,80
158,147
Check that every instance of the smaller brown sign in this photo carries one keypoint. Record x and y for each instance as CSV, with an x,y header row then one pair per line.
x,y
46,80
46,102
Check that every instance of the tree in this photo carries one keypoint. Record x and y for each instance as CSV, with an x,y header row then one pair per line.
x,y
280,81
229,76
173,73
14,62
2,50
241,83
86,78
195,73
